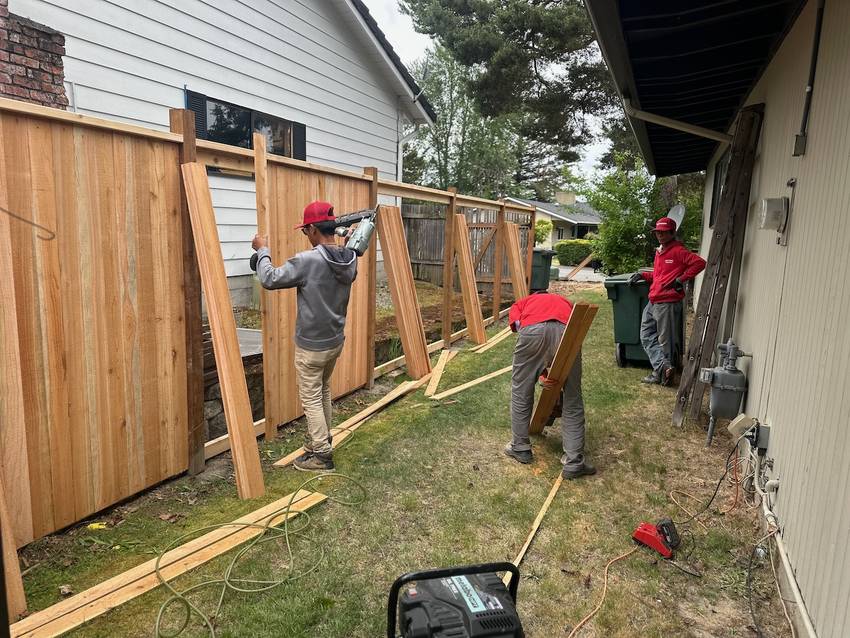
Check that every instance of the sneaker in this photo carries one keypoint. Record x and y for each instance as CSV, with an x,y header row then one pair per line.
x,y
653,377
667,375
315,463
523,456
303,457
585,470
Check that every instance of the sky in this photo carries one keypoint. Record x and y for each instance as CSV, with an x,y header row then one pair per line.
x,y
411,45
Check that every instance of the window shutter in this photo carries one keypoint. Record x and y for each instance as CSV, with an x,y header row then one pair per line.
x,y
197,103
299,141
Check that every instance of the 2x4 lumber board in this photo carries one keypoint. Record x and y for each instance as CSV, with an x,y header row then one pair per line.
x,y
498,335
372,273
568,349
14,463
183,123
412,191
261,183
16,600
576,270
231,374
344,429
91,603
515,262
437,374
731,215
403,290
451,391
448,266
535,525
498,259
494,341
468,287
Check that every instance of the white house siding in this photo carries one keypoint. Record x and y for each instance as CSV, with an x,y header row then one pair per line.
x,y
304,61
793,309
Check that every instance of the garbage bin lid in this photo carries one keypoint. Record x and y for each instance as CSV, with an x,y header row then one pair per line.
x,y
545,251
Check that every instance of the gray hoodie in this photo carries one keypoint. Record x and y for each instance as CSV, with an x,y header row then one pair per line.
x,y
323,277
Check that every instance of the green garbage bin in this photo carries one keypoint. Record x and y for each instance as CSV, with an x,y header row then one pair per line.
x,y
628,304
541,262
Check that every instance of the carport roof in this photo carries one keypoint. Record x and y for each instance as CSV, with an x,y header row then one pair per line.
x,y
691,61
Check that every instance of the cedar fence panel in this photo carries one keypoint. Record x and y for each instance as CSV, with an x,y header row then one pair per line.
x,y
100,311
290,189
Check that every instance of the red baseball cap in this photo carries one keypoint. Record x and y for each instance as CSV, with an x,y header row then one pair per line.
x,y
316,212
664,224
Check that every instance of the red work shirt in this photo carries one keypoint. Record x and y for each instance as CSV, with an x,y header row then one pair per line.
x,y
674,262
540,307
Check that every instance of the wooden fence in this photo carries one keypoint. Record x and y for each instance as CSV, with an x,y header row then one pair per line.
x,y
101,387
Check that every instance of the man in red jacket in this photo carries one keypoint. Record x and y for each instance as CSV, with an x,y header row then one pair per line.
x,y
540,320
662,318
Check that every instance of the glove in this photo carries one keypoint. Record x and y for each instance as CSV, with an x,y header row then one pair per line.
x,y
635,279
515,326
677,284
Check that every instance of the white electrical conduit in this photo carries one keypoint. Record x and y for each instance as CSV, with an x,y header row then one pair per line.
x,y
790,578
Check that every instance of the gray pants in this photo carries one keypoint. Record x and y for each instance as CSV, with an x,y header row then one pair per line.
x,y
661,334
535,348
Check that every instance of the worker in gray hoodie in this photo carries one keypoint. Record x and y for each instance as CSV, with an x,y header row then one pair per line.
x,y
323,278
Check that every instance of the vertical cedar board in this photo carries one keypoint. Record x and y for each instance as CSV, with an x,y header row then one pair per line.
x,y
469,289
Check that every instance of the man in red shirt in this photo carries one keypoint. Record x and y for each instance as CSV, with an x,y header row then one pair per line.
x,y
540,320
661,324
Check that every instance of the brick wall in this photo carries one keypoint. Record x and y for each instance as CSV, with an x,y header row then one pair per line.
x,y
31,61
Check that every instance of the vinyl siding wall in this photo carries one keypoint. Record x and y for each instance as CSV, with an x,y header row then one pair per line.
x,y
130,60
793,309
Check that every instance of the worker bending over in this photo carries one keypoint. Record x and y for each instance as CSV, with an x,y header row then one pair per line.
x,y
540,319
323,278
661,324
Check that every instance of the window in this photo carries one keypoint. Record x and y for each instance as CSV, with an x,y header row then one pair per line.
x,y
220,121
560,232
720,170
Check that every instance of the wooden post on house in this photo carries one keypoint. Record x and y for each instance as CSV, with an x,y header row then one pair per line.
x,y
498,259
372,274
530,256
182,121
448,266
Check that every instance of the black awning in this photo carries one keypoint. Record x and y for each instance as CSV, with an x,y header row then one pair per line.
x,y
691,61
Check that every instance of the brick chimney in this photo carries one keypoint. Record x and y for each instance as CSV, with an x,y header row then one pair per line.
x,y
565,198
31,67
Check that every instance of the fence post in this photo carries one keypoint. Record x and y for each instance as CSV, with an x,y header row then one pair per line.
x,y
448,267
498,258
530,249
372,276
182,121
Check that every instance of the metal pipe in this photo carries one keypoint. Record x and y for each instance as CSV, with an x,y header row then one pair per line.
x,y
801,138
669,122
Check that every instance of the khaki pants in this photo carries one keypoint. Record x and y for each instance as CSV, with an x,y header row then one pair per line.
x,y
313,371
535,348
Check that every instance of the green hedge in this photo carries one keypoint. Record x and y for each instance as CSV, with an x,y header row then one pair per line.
x,y
572,252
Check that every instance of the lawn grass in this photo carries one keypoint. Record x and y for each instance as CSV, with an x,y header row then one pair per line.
x,y
441,493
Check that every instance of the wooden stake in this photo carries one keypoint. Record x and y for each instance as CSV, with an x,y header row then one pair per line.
x,y
448,265
536,525
91,603
469,384
515,263
231,374
16,600
182,121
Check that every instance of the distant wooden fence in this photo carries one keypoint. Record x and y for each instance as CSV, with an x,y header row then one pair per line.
x,y
101,373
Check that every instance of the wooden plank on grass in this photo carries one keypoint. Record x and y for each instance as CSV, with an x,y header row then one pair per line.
x,y
568,348
231,374
469,384
91,603
576,270
403,290
516,266
16,601
494,341
437,374
468,287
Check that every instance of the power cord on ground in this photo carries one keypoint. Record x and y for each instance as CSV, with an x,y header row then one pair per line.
x,y
229,582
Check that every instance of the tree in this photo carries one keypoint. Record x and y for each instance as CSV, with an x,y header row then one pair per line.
x,y
542,230
533,58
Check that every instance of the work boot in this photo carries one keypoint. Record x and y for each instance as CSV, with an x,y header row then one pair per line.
x,y
303,457
523,456
315,463
667,375
586,469
652,377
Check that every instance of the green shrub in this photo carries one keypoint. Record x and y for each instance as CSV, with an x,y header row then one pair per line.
x,y
542,230
572,252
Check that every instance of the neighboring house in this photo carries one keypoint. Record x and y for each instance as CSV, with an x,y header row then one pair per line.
x,y
570,219
319,78
700,65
